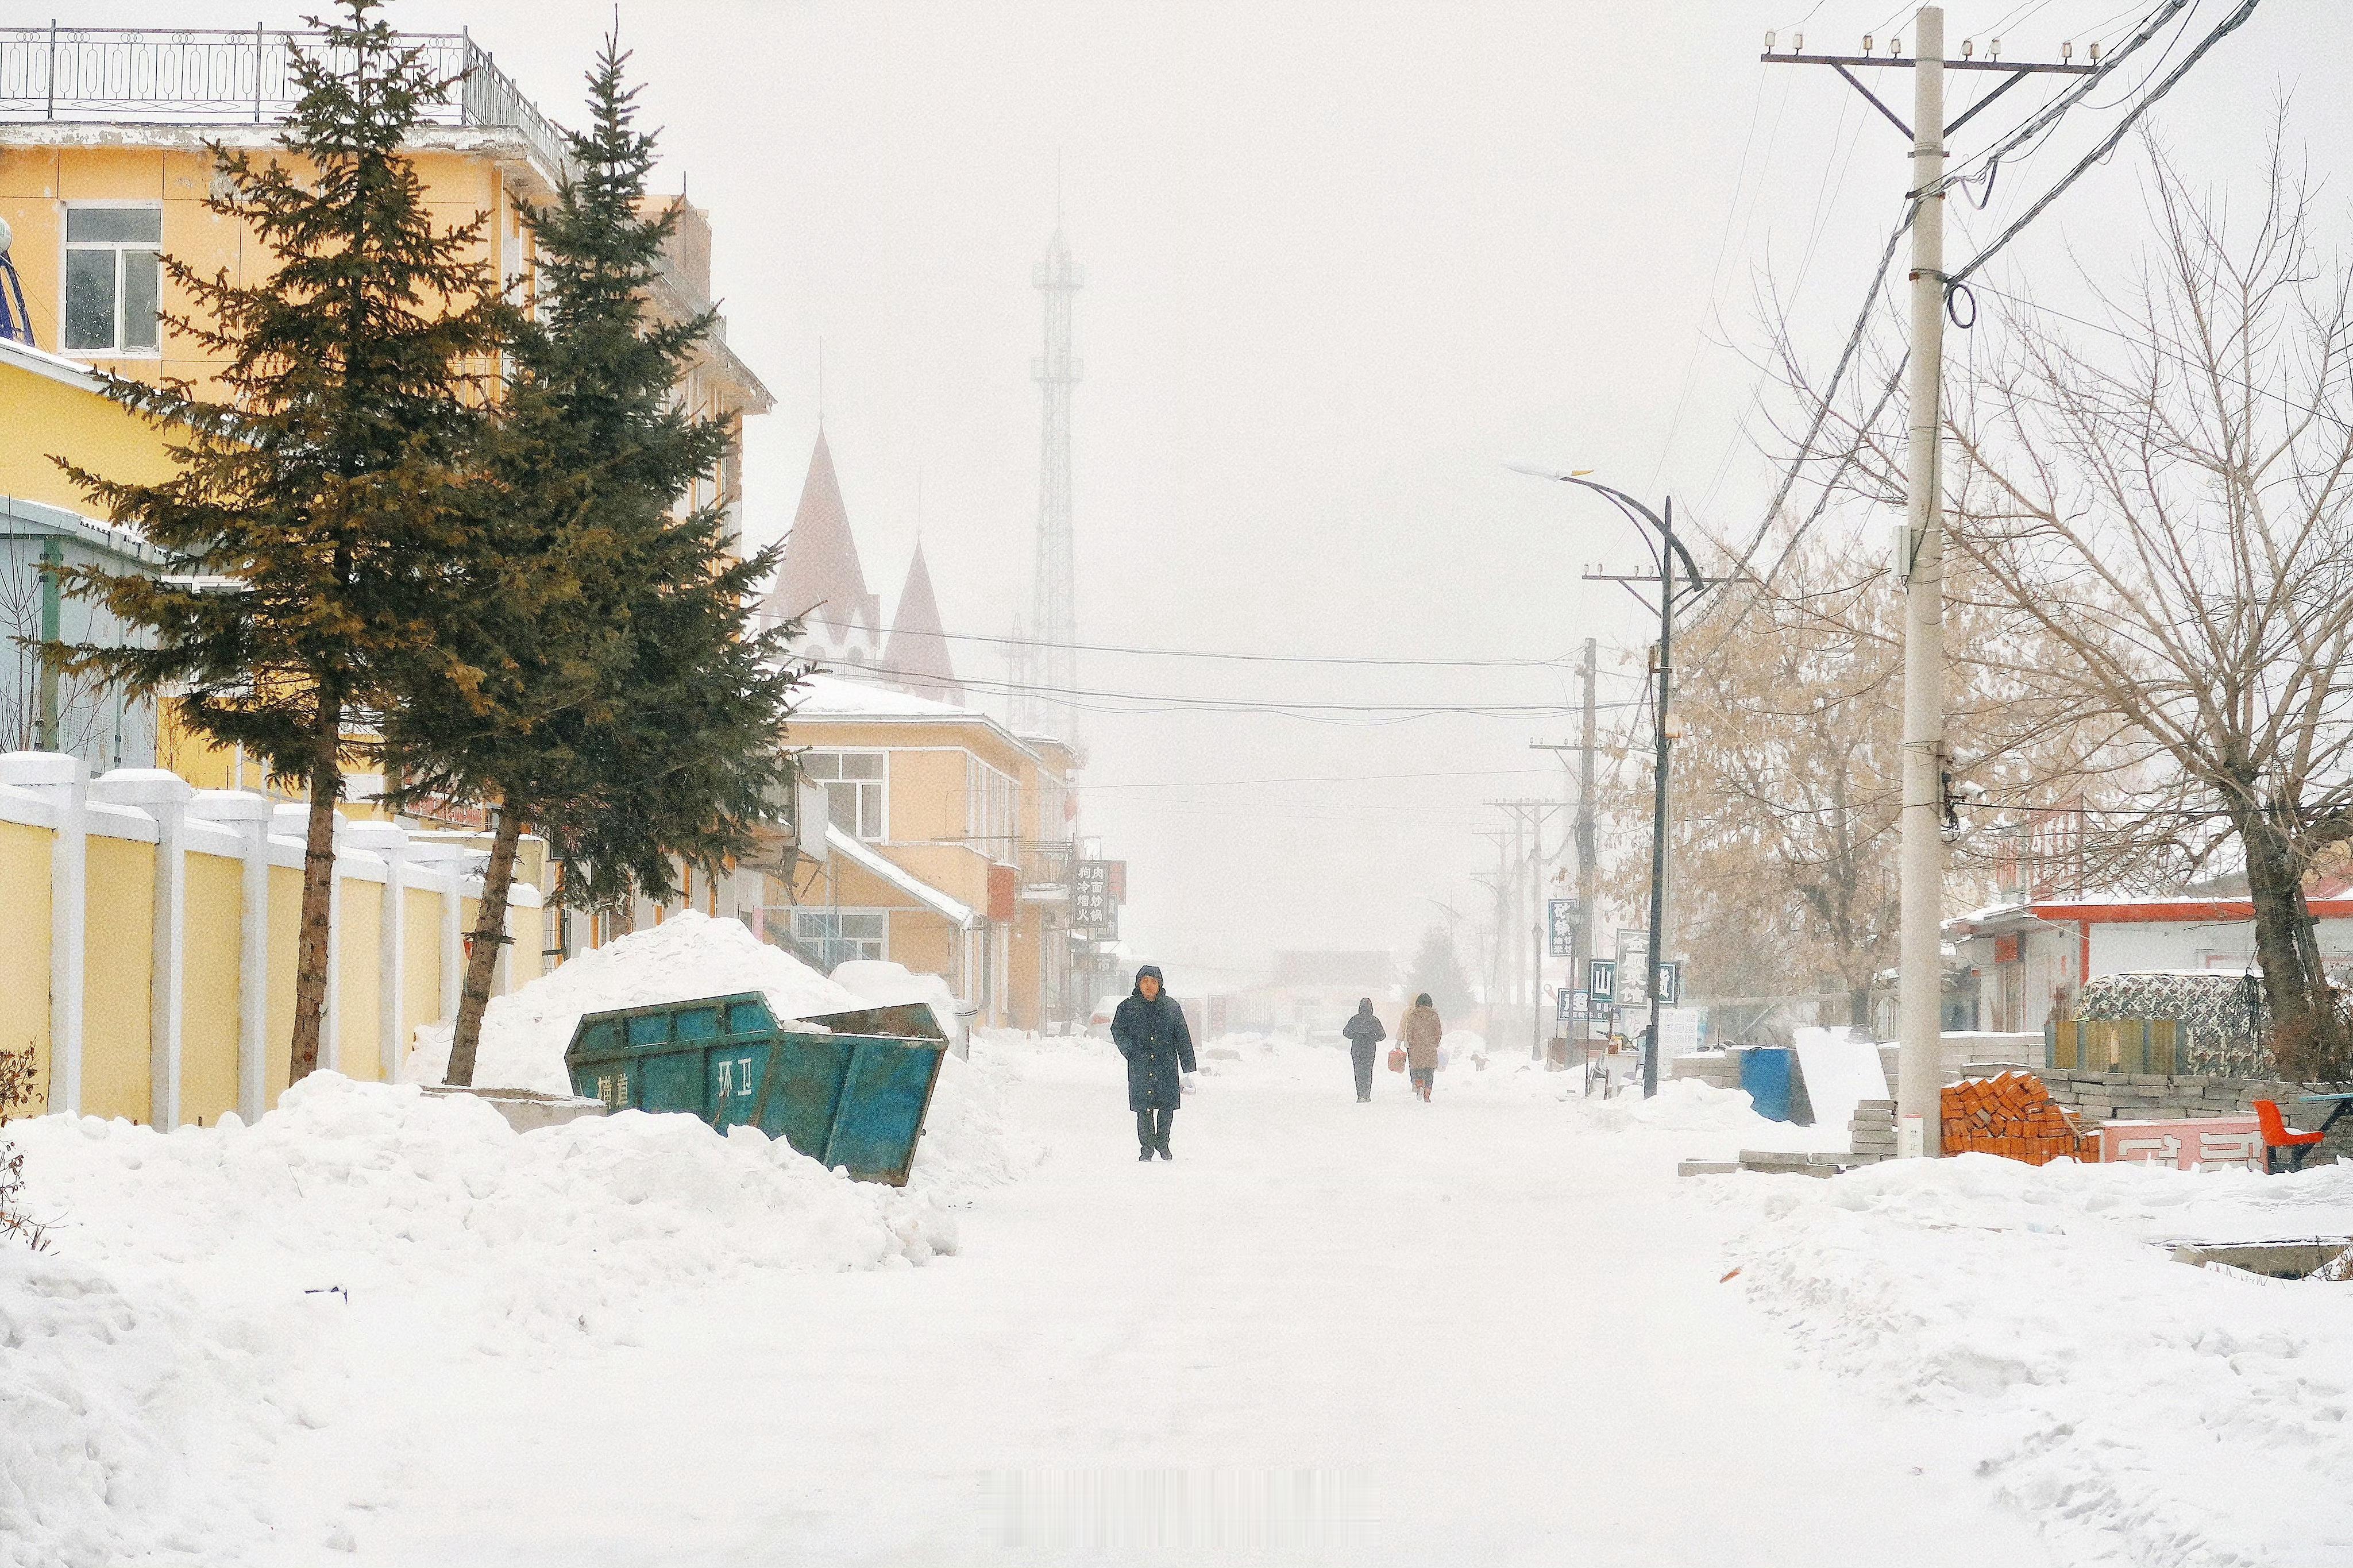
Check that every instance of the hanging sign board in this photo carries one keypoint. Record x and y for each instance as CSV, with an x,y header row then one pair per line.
x,y
1560,925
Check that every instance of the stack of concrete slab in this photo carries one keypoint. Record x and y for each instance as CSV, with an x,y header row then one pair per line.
x,y
1795,1163
1871,1133
1721,1069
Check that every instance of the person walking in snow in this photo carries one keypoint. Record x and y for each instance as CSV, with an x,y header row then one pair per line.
x,y
1149,1030
1364,1032
1422,1031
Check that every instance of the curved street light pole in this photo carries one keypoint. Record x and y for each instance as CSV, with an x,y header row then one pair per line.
x,y
1669,550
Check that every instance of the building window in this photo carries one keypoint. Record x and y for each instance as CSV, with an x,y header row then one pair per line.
x,y
991,822
853,789
838,936
115,276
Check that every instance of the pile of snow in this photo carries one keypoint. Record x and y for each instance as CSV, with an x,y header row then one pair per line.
x,y
189,1310
881,983
2147,1413
969,1144
686,956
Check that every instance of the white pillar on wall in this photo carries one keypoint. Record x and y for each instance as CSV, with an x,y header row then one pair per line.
x,y
59,779
392,949
250,814
453,938
163,796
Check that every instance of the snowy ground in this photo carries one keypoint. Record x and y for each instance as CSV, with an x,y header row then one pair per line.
x,y
1491,1330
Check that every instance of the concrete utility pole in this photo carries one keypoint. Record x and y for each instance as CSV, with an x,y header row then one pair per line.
x,y
1587,873
1920,952
1921,558
1529,817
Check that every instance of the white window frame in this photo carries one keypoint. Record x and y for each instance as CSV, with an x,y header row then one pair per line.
x,y
67,246
981,781
831,914
882,787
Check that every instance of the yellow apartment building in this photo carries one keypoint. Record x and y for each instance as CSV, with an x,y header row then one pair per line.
x,y
104,167
946,848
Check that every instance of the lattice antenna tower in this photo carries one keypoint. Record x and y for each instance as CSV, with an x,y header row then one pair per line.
x,y
1054,623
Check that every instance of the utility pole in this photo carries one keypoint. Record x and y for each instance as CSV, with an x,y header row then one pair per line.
x,y
1589,875
1919,1088
1588,872
1531,816
1920,964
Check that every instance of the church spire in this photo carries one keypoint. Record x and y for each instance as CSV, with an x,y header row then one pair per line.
x,y
918,650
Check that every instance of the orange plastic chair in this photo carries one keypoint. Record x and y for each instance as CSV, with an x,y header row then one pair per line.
x,y
2278,1135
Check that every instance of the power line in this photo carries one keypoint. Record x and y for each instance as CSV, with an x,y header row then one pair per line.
x,y
2221,29
1386,663
1317,779
1179,701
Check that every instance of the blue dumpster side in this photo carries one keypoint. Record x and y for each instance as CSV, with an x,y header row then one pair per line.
x,y
1764,1074
854,1100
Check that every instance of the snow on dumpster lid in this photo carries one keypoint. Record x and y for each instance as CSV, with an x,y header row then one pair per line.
x,y
687,956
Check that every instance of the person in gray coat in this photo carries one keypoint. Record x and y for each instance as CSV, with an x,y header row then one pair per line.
x,y
1149,1030
1364,1032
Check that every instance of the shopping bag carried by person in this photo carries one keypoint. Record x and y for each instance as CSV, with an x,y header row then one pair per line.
x,y
1396,1059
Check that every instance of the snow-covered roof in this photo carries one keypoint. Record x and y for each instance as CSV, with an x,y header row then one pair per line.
x,y
56,367
956,913
837,696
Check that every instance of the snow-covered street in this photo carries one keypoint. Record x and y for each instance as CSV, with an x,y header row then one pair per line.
x,y
1479,1331
1326,1331
1494,1330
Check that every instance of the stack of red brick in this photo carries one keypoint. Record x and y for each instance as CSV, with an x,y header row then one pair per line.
x,y
2013,1115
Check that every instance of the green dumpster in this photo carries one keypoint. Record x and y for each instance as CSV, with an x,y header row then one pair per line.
x,y
847,1089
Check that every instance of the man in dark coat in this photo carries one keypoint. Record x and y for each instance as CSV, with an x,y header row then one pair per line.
x,y
1364,1032
1149,1030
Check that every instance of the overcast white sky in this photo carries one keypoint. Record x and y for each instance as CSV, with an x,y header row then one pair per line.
x,y
1345,261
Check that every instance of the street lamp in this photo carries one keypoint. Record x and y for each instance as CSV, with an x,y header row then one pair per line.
x,y
1666,551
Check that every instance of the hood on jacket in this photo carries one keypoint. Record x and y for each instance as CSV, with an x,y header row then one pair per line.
x,y
1154,971
1364,1007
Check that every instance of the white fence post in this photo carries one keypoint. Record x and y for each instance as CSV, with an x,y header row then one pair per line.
x,y
163,796
59,779
250,814
391,842
453,938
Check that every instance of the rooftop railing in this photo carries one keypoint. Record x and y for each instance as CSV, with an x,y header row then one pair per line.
x,y
159,77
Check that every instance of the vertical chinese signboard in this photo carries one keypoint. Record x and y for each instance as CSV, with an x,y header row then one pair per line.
x,y
1094,909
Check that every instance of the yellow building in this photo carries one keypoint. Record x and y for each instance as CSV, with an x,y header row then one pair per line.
x,y
947,848
104,168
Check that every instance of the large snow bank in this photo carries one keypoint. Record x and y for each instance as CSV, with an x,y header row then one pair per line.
x,y
686,956
166,1338
2145,1411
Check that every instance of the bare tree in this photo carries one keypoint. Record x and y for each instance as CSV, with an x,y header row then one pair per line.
x,y
2165,504
1789,772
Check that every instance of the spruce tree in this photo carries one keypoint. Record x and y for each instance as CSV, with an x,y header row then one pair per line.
x,y
313,509
614,697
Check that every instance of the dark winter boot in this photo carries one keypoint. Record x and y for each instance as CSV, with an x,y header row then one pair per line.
x,y
1167,1120
1145,1134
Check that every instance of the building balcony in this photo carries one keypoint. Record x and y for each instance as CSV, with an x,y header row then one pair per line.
x,y
158,76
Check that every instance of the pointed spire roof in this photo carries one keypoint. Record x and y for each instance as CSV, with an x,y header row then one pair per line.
x,y
917,650
821,576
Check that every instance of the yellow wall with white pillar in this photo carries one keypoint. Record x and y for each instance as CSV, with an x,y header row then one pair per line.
x,y
117,880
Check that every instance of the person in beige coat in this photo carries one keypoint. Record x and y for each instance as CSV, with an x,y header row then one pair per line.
x,y
1421,1032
